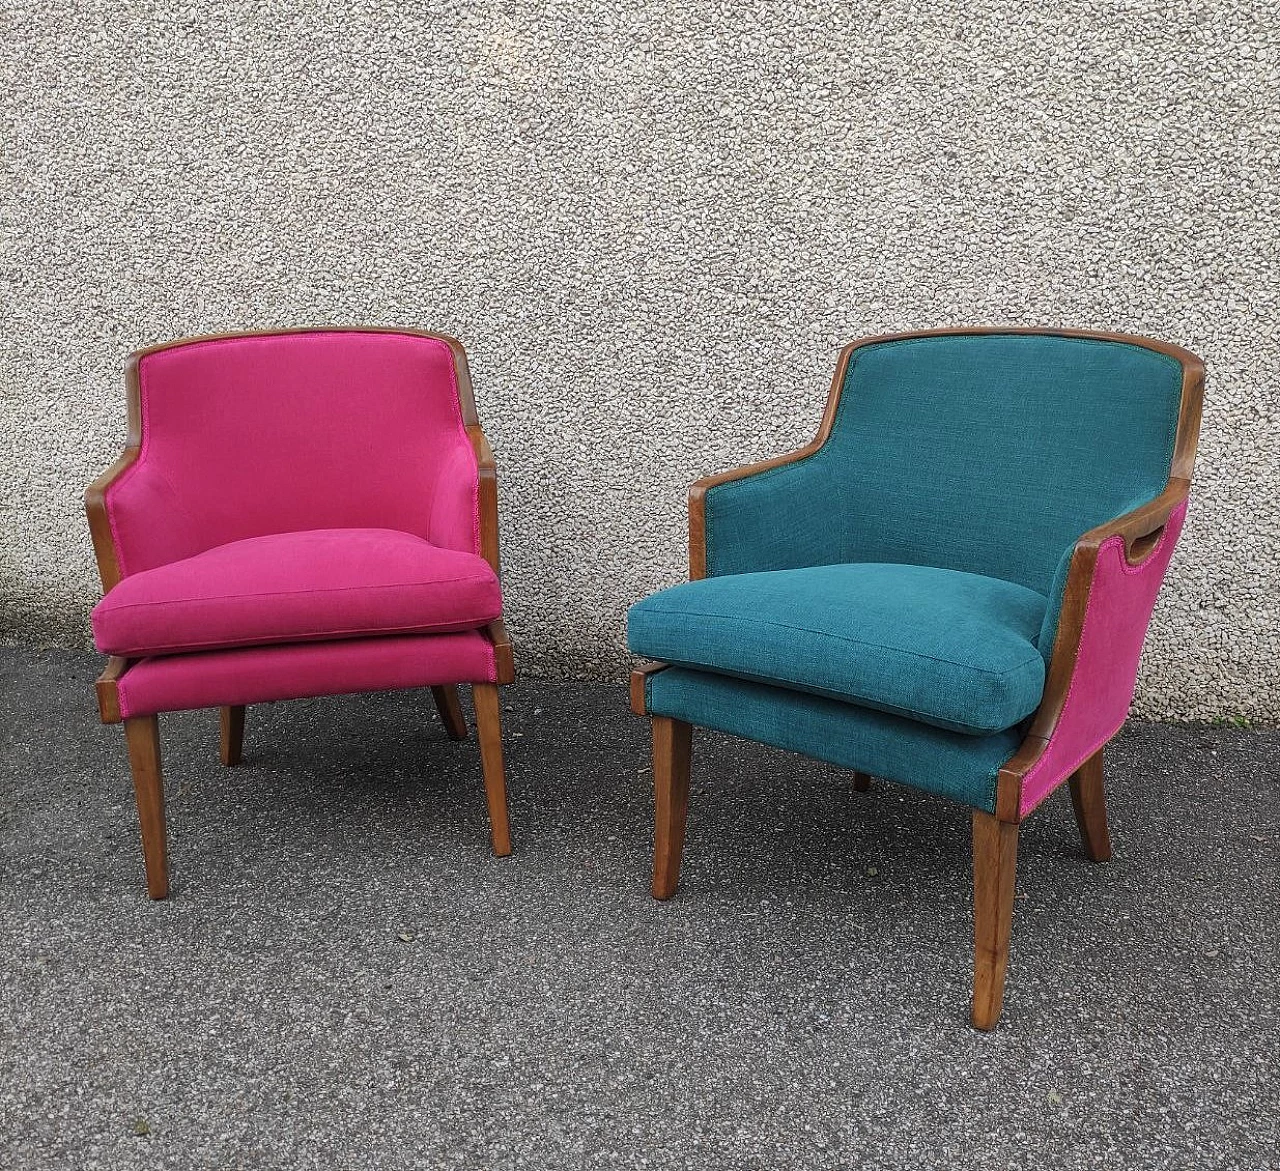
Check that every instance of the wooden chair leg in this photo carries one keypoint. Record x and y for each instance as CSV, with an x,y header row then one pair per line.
x,y
142,734
455,723
1090,804
672,742
232,719
489,730
995,859
861,783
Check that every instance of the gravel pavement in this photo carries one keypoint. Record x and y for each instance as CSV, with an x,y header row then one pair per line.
x,y
345,978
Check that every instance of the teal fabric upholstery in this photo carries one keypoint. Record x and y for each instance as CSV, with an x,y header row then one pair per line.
x,y
961,767
986,453
951,649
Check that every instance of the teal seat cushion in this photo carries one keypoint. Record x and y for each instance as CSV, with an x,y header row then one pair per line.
x,y
963,768
988,453
951,649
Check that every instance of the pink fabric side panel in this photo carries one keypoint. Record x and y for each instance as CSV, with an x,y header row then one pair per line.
x,y
242,437
455,508
1121,599
301,670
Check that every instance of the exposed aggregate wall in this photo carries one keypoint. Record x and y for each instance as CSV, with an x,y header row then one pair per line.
x,y
653,225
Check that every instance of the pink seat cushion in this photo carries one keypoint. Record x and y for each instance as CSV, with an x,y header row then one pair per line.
x,y
297,587
259,674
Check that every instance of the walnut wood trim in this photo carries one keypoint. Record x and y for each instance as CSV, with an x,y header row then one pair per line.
x,y
1184,444
488,707
142,735
643,669
1089,801
486,497
672,748
95,497
107,691
503,653
995,863
231,734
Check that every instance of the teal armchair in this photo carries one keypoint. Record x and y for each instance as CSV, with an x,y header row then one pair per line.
x,y
948,588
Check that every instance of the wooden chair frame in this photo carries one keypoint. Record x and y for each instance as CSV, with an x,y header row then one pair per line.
x,y
995,836
142,732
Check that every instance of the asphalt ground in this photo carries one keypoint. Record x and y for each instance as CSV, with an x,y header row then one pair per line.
x,y
345,977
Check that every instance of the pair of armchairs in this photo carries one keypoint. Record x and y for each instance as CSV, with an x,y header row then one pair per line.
x,y
949,588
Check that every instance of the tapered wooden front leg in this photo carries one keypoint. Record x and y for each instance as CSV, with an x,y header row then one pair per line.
x,y
489,731
995,860
861,783
142,734
232,747
672,742
455,723
1090,804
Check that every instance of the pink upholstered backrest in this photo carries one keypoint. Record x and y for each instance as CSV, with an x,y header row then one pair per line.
x,y
246,436
1121,599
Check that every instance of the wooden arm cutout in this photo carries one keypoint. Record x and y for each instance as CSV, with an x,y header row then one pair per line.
x,y
1141,531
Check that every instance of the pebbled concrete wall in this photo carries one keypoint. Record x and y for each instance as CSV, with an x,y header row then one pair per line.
x,y
653,225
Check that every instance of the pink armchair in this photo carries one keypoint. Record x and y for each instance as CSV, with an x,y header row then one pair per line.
x,y
297,513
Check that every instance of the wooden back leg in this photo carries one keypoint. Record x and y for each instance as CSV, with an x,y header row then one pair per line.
x,y
995,860
232,740
1090,805
485,696
455,724
142,734
672,748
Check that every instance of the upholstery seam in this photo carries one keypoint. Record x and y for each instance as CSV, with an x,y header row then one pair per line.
x,y
126,708
991,778
466,439
862,351
1023,811
293,593
144,364
1036,658
308,636
900,710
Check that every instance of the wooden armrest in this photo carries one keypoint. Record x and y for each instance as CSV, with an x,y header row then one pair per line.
x,y
699,488
95,496
487,500
1140,528
698,500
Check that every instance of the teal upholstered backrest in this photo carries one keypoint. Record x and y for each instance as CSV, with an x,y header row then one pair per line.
x,y
993,453
990,453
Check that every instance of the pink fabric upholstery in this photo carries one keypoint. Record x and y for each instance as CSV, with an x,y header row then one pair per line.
x,y
295,587
242,437
260,674
1121,599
